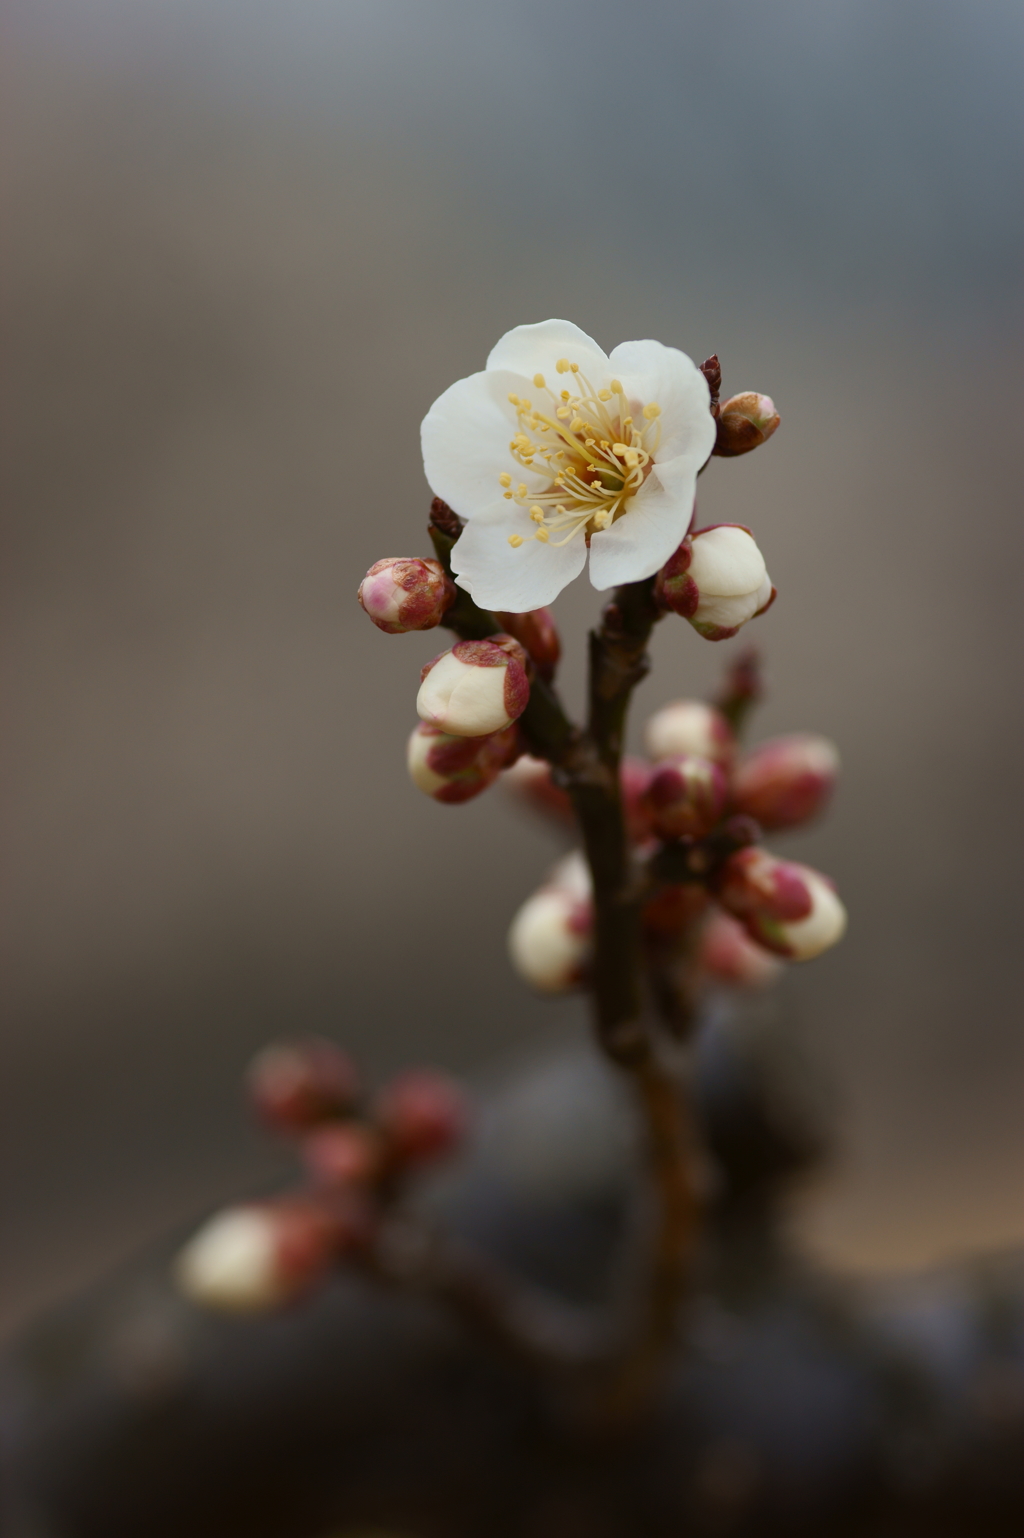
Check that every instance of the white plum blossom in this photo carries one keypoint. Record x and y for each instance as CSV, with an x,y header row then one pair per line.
x,y
557,448
232,1263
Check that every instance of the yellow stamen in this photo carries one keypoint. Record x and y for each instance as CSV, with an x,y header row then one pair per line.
x,y
504,479
652,410
562,366
538,380
515,540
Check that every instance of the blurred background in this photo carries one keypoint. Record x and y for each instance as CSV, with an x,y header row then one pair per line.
x,y
246,247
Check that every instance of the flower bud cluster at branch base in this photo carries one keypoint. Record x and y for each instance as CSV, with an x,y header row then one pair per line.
x,y
736,909
357,1153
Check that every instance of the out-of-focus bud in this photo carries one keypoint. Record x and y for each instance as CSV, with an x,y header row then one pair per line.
x,y
787,781
296,1084
788,908
729,583
689,727
401,594
531,779
254,1258
685,797
537,633
744,423
455,769
477,688
422,1116
342,1156
549,939
670,912
727,953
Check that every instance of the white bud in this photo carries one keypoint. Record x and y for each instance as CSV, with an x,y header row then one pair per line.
x,y
473,690
232,1263
549,939
824,925
731,579
689,728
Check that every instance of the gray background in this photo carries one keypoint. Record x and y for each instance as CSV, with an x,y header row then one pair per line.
x,y
247,245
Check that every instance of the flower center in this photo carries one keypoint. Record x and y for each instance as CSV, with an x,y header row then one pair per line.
x,y
595,455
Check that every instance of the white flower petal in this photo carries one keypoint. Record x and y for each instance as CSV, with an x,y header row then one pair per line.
x,y
499,577
465,437
652,527
529,350
650,371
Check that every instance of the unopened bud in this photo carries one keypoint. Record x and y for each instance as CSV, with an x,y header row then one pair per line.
x,y
788,908
537,633
730,581
455,769
342,1156
744,423
254,1258
477,688
402,594
690,727
727,952
296,1084
788,781
685,797
530,778
422,1116
550,937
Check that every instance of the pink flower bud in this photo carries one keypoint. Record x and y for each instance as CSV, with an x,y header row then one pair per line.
x,y
530,778
477,688
787,781
788,908
744,423
549,938
727,953
455,769
342,1155
690,727
686,797
295,1084
257,1257
422,1116
406,594
726,582
537,633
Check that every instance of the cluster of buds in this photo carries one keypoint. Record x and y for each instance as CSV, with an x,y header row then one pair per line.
x,y
356,1154
472,695
696,793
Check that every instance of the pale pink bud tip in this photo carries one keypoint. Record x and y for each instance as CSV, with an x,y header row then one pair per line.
x,y
254,1258
401,594
531,779
787,781
342,1156
788,908
477,688
550,937
727,952
293,1085
455,769
728,581
422,1115
744,423
686,797
690,727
